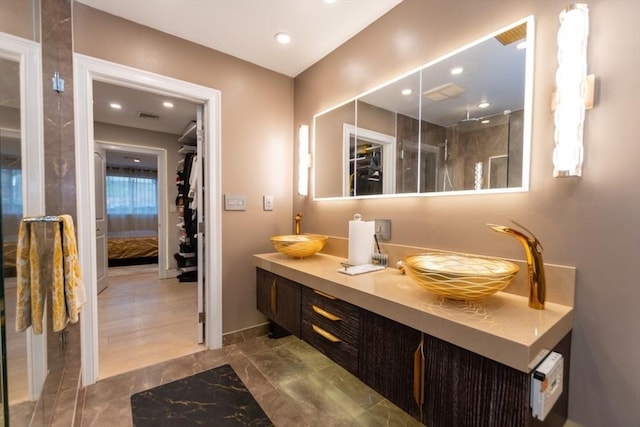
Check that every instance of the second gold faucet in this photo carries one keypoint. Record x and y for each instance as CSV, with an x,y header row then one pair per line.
x,y
298,228
535,265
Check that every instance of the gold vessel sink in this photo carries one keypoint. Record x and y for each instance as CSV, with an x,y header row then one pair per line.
x,y
299,245
459,276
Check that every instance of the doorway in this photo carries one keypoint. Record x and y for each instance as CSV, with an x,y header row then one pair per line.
x,y
144,313
86,71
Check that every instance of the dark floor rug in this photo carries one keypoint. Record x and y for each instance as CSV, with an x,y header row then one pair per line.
x,y
212,398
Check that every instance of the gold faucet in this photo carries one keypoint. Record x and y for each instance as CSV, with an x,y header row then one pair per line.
x,y
533,251
298,218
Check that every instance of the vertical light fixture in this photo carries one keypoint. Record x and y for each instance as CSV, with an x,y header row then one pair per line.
x,y
304,162
571,90
477,177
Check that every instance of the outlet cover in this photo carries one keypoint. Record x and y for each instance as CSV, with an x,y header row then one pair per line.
x,y
383,229
235,202
267,202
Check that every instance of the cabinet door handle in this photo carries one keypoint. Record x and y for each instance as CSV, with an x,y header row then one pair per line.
x,y
324,295
325,313
324,334
418,374
273,296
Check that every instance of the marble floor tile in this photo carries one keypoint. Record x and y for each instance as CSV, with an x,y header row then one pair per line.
x,y
293,383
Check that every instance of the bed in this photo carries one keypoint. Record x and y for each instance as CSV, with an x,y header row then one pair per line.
x,y
132,247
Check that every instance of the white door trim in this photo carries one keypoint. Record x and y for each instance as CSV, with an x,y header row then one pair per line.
x,y
28,54
161,164
86,70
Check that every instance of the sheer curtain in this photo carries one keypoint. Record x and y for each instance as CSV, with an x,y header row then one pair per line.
x,y
11,194
132,199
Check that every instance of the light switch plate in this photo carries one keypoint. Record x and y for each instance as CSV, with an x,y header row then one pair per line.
x,y
383,229
235,202
267,202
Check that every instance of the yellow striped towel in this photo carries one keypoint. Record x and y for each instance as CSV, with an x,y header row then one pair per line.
x,y
74,290
31,277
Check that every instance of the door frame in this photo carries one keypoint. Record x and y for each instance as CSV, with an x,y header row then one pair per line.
x,y
163,197
86,70
29,55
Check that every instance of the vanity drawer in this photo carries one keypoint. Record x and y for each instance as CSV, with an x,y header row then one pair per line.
x,y
341,352
332,315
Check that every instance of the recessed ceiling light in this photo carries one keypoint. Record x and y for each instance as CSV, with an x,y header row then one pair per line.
x,y
136,160
406,92
283,38
168,104
456,70
115,106
485,121
483,104
522,45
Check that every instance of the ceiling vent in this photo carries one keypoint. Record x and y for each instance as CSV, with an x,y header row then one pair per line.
x,y
149,116
445,91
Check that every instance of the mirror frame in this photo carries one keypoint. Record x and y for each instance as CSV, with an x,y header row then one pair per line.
x,y
527,124
29,54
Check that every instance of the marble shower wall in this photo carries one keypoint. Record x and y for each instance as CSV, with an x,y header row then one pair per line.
x,y
57,56
63,349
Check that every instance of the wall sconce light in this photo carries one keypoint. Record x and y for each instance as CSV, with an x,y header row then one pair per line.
x,y
572,90
304,161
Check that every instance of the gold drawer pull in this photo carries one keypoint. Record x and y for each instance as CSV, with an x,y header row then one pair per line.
x,y
418,375
324,295
324,334
274,297
325,313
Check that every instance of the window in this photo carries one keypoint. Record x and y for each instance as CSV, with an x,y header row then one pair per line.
x,y
132,195
11,191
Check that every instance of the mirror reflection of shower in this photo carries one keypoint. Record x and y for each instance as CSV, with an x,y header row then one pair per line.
x,y
12,212
476,153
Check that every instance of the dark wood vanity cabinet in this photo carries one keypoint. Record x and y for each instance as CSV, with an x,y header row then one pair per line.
x,y
436,382
390,361
466,389
444,385
332,326
278,298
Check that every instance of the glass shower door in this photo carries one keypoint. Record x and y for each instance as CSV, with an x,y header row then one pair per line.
x,y
4,419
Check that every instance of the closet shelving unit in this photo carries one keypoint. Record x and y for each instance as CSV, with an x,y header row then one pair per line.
x,y
187,256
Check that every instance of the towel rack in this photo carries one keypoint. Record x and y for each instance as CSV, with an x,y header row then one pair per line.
x,y
48,218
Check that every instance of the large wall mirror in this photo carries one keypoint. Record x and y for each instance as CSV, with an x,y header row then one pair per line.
x,y
461,123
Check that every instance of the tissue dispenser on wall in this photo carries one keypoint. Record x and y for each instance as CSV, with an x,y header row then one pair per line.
x,y
361,241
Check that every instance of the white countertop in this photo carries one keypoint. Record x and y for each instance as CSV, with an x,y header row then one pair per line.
x,y
500,327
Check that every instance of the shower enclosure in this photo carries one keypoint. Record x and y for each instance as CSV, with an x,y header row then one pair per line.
x,y
472,154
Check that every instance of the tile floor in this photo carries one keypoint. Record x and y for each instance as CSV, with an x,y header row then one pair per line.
x,y
143,320
293,383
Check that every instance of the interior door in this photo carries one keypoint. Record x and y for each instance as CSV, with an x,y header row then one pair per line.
x,y
100,159
200,219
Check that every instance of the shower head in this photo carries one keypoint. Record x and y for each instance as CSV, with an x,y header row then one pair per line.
x,y
467,122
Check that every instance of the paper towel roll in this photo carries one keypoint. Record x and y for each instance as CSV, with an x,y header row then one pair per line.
x,y
361,241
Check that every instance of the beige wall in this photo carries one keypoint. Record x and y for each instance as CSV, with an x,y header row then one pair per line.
x,y
592,223
21,18
257,138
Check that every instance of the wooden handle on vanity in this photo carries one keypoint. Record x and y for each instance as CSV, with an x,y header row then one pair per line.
x,y
323,294
273,296
324,334
418,374
325,313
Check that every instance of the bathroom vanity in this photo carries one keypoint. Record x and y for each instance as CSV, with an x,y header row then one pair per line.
x,y
447,363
